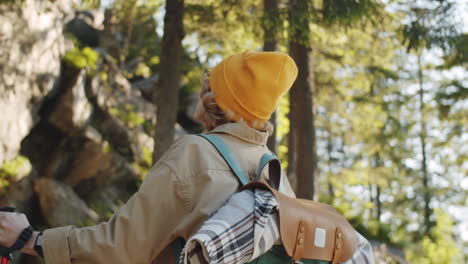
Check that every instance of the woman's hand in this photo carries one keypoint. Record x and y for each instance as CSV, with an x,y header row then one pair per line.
x,y
11,226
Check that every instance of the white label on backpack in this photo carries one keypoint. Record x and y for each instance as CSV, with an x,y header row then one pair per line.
x,y
320,237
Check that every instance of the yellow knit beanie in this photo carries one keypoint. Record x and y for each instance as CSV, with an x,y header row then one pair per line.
x,y
250,84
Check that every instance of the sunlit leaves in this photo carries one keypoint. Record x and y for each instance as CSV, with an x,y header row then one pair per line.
x,y
440,248
346,12
224,27
11,170
283,130
82,58
429,23
457,54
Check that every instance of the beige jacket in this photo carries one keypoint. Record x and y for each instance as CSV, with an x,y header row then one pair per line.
x,y
187,184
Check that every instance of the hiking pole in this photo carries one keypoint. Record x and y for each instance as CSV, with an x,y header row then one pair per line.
x,y
5,252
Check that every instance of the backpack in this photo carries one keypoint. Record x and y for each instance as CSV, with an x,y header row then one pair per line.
x,y
311,232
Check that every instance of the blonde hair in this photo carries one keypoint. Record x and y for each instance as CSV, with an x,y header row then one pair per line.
x,y
213,116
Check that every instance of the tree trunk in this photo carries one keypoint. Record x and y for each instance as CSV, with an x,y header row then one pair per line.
x,y
302,97
378,203
271,14
292,146
377,163
422,137
167,94
371,199
128,37
331,191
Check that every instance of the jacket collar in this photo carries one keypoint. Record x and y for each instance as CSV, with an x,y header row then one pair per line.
x,y
243,132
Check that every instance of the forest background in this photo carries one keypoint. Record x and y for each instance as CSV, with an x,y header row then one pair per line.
x,y
93,92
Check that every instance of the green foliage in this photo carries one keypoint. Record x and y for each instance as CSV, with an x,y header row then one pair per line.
x,y
128,115
154,60
130,34
343,13
91,4
85,223
368,130
14,166
147,157
138,28
373,230
299,16
144,165
10,170
346,12
9,2
106,147
82,58
143,70
457,55
415,35
440,247
192,70
216,26
430,24
272,21
282,131
450,93
102,209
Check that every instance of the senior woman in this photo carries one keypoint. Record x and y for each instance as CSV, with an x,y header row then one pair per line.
x,y
191,180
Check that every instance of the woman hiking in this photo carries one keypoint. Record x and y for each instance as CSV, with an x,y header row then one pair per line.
x,y
190,181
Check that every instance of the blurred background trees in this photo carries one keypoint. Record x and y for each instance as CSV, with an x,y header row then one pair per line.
x,y
95,91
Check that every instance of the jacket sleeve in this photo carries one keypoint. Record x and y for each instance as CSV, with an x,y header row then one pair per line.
x,y
363,253
137,233
285,186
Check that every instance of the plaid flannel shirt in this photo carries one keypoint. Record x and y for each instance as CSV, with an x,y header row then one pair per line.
x,y
245,228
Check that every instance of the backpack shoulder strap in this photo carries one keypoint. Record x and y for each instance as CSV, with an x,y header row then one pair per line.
x,y
227,155
177,246
274,169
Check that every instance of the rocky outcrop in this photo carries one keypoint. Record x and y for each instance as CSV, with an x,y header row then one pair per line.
x,y
61,206
85,27
146,87
19,195
81,132
55,122
32,40
86,154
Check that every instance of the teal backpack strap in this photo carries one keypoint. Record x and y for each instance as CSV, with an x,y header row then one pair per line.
x,y
226,153
264,160
274,169
177,247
